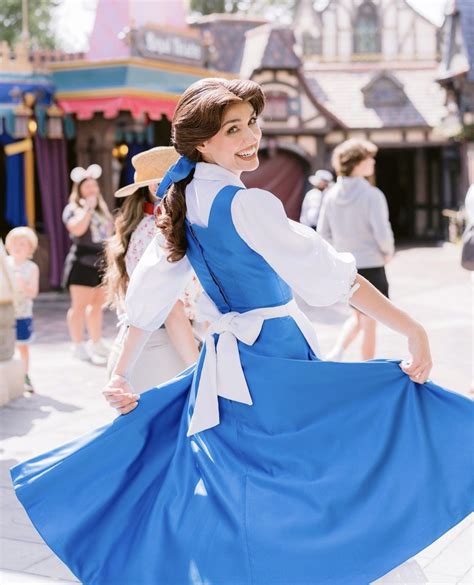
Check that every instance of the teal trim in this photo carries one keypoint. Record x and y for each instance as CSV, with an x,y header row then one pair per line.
x,y
37,78
150,134
40,114
10,122
157,80
123,76
69,127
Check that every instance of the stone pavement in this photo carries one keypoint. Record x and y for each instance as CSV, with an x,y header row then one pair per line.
x,y
426,281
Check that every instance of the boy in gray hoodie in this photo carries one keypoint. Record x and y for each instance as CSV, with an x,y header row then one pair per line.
x,y
354,218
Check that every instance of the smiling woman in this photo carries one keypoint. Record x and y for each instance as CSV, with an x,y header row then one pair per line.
x,y
222,129
261,442
235,146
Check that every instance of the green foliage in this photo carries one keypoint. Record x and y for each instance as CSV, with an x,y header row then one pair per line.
x,y
272,9
214,6
40,16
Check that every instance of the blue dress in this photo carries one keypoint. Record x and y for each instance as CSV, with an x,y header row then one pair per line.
x,y
334,475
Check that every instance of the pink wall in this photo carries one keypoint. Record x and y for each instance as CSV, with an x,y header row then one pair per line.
x,y
113,16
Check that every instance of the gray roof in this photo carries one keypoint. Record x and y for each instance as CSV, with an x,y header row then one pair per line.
x,y
226,34
269,47
466,15
340,92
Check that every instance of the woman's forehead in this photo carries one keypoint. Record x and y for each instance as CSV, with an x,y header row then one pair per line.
x,y
238,110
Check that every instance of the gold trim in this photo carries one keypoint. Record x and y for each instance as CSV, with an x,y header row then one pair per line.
x,y
142,62
116,92
18,147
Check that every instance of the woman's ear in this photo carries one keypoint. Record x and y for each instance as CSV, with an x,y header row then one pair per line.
x,y
202,148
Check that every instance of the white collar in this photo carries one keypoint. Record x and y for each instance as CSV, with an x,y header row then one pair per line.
x,y
212,172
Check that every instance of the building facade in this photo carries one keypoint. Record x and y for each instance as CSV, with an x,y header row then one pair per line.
x,y
357,68
456,76
373,66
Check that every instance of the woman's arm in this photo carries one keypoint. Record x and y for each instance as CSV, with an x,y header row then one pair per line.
x,y
151,295
79,223
119,391
380,224
181,334
31,288
370,301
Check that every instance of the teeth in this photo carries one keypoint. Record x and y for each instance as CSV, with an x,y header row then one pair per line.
x,y
247,153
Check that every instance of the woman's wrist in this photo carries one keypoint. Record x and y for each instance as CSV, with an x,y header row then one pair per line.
x,y
415,329
117,379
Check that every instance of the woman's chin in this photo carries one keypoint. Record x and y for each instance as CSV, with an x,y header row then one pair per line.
x,y
252,165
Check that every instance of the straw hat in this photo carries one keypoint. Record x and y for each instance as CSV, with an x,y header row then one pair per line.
x,y
150,167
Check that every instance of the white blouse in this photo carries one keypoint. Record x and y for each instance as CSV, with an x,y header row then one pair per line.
x,y
139,240
308,264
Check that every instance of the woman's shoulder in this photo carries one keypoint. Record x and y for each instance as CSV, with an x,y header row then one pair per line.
x,y
69,211
257,196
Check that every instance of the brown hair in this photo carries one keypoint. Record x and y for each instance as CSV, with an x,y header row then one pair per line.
x,y
197,118
127,219
349,154
75,198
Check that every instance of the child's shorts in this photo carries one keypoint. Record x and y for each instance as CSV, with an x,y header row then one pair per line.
x,y
24,330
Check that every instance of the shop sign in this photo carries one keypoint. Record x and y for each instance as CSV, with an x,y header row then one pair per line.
x,y
160,44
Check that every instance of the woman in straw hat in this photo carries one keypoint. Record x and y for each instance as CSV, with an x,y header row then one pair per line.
x,y
172,347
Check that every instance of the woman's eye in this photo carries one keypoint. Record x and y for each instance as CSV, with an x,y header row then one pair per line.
x,y
253,120
232,130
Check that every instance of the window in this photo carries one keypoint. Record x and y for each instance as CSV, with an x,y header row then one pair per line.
x,y
276,106
366,30
311,44
384,90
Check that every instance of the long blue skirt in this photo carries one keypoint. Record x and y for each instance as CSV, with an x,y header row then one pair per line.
x,y
336,474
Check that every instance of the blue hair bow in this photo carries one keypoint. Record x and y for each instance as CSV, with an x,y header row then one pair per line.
x,y
177,172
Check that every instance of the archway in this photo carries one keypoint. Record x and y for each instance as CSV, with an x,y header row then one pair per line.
x,y
283,173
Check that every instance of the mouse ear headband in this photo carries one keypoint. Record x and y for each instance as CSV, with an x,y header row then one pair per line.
x,y
78,174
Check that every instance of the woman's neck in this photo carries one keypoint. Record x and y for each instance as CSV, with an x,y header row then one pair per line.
x,y
234,172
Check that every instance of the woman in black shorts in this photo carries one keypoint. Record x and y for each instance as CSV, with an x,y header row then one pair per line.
x,y
354,219
89,223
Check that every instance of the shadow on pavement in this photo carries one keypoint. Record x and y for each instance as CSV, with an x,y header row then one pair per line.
x,y
18,417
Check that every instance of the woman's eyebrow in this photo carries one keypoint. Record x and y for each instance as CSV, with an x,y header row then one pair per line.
x,y
237,120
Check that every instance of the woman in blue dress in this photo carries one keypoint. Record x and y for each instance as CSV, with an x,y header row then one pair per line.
x,y
262,464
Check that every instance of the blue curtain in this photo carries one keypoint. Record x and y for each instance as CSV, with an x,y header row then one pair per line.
x,y
133,149
15,186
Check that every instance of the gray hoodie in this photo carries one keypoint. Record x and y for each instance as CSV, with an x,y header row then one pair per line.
x,y
354,218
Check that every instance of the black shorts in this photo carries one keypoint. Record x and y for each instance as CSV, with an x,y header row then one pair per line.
x,y
377,277
84,275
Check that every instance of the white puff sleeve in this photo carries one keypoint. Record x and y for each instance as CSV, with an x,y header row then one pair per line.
x,y
307,263
155,286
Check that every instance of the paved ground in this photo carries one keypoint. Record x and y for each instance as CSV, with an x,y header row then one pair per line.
x,y
425,281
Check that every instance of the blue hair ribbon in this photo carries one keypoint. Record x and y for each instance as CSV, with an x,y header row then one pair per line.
x,y
177,172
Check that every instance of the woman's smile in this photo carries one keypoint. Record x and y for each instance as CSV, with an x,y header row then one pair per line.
x,y
248,154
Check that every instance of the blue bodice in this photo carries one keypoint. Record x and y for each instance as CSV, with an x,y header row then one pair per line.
x,y
233,275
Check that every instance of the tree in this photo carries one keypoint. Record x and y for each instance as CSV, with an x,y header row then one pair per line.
x,y
214,6
274,10
40,17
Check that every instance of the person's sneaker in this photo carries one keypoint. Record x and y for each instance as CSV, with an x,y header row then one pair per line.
x,y
96,353
27,385
99,348
79,351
